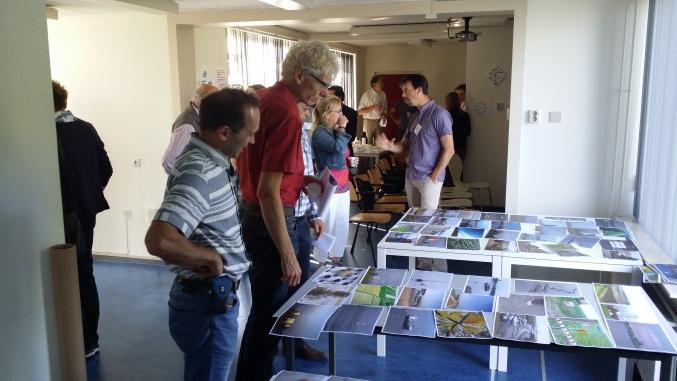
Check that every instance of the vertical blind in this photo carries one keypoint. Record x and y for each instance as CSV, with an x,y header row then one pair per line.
x,y
255,58
656,204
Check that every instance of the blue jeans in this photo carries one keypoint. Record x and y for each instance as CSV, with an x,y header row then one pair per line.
x,y
208,341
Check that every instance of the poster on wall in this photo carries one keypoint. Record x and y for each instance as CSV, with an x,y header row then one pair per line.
x,y
205,78
220,76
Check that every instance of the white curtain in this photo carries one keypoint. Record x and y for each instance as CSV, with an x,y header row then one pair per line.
x,y
656,204
346,76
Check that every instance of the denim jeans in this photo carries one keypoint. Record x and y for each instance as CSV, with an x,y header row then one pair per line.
x,y
258,347
208,341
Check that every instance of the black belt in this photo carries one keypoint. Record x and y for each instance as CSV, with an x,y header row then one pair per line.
x,y
192,285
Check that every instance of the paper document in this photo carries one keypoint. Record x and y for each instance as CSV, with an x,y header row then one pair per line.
x,y
324,242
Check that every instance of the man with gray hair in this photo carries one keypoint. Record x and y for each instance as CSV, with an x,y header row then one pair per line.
x,y
272,174
185,124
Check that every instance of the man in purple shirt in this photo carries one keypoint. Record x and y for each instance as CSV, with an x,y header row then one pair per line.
x,y
429,142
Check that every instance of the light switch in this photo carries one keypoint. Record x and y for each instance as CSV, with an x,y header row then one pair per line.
x,y
555,117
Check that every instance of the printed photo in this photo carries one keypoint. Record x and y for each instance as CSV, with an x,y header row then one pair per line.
x,y
404,227
303,320
521,328
458,300
505,225
569,307
581,225
287,375
373,295
468,233
522,305
495,216
528,247
445,213
582,333
558,231
622,254
478,224
410,322
416,219
610,223
429,279
384,277
563,250
395,237
585,242
500,245
504,235
356,319
463,244
440,231
523,219
482,285
461,324
650,275
421,298
327,295
584,232
618,244
469,214
610,293
627,313
447,222
432,241
421,212
539,287
559,218
614,233
339,275
640,336
539,237
668,271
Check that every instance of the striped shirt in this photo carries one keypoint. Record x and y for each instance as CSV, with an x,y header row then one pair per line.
x,y
201,203
304,206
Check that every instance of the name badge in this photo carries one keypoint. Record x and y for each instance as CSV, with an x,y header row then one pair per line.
x,y
417,129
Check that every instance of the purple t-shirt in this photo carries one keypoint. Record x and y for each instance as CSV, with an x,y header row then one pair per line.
x,y
424,146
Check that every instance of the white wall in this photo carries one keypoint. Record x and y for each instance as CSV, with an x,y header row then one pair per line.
x,y
30,204
443,64
185,42
116,69
487,155
210,50
570,50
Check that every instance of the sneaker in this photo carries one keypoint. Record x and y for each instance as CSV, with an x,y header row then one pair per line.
x,y
92,352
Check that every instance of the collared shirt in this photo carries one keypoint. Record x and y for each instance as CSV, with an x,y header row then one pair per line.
x,y
424,144
64,116
371,97
177,143
277,146
201,203
304,206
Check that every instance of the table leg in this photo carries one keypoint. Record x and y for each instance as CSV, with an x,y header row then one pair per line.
x,y
500,268
381,339
332,354
288,344
625,369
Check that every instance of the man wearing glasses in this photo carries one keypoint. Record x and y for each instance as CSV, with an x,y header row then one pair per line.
x,y
272,173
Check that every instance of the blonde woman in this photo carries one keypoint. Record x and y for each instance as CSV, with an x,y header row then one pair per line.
x,y
330,148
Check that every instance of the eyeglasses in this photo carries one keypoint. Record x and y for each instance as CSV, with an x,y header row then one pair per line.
x,y
323,83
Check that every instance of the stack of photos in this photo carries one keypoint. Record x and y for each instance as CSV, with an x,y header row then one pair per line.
x,y
631,320
469,230
287,375
668,271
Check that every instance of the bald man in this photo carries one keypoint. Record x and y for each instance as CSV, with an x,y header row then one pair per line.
x,y
185,124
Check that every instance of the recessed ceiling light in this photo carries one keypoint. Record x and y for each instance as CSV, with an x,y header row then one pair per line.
x,y
380,18
289,5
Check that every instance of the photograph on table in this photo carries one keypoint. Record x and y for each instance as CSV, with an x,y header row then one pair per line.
x,y
565,218
288,375
583,232
649,274
395,237
440,231
522,305
581,225
579,332
350,318
640,336
341,275
667,270
582,242
614,233
540,287
416,219
618,244
303,320
428,298
530,247
622,254
610,223
521,218
504,235
404,227
506,225
516,327
501,245
447,222
458,300
429,279
468,233
464,324
495,216
558,231
563,250
410,322
483,285
537,237
373,295
478,224
551,223
463,244
569,307
328,295
432,241
469,214
384,277
421,212
445,213
629,313
610,293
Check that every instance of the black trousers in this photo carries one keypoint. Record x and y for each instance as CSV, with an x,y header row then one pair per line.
x,y
258,347
79,230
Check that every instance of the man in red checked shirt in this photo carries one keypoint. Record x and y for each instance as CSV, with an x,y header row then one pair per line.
x,y
271,179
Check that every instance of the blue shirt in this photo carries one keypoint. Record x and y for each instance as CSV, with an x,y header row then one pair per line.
x,y
425,146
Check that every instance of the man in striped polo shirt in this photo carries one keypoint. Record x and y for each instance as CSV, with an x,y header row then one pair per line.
x,y
197,231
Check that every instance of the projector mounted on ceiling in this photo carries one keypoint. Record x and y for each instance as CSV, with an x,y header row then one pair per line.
x,y
465,35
